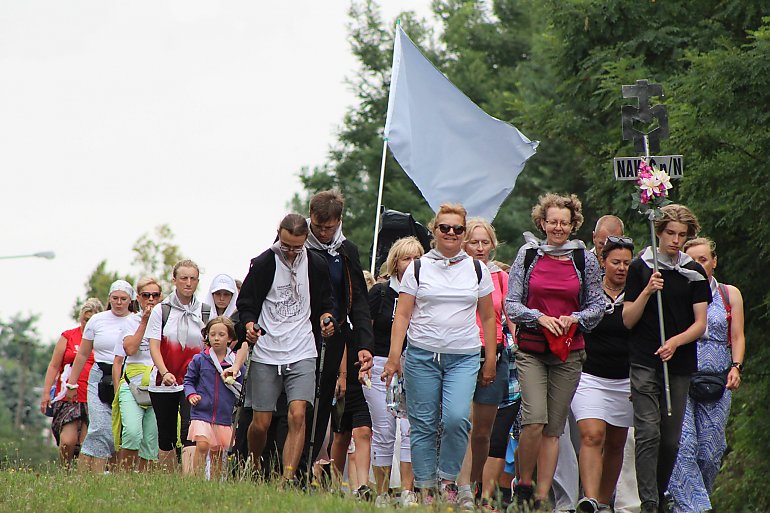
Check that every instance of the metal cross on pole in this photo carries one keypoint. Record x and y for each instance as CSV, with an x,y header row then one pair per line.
x,y
627,168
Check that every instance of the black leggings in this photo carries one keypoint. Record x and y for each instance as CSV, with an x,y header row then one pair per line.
x,y
501,430
167,406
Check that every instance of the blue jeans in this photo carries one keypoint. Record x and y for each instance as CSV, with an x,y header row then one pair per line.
x,y
438,384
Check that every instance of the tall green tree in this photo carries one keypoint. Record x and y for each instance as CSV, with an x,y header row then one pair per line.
x,y
554,69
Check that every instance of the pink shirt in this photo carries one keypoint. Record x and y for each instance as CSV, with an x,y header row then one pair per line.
x,y
500,282
554,290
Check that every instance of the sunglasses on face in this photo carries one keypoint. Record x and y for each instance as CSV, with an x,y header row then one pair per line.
x,y
148,295
458,229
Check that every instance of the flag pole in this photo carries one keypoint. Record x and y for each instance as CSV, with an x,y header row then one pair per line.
x,y
378,214
379,205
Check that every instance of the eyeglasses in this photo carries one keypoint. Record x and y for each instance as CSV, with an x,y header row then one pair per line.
x,y
148,295
458,228
480,243
562,224
620,240
291,249
324,228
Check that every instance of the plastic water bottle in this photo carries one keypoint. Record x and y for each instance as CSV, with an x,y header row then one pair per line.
x,y
395,398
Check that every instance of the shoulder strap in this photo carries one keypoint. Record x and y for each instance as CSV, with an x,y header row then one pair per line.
x,y
580,262
500,280
383,289
417,265
529,257
205,313
477,265
165,310
725,295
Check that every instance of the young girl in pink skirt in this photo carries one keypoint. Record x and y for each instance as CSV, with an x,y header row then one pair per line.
x,y
211,386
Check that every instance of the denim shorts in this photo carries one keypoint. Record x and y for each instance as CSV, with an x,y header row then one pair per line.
x,y
495,391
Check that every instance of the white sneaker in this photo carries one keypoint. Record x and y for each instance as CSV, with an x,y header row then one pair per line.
x,y
382,501
408,499
465,500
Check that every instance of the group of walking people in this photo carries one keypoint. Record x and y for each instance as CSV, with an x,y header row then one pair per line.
x,y
476,366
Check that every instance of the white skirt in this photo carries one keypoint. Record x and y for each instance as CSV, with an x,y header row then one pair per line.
x,y
605,399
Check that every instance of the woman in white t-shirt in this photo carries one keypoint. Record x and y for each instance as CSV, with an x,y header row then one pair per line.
x,y
440,295
101,333
136,432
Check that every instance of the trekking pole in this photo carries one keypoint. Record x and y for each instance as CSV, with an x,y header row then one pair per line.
x,y
321,359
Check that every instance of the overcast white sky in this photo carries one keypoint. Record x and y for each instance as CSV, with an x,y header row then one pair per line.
x,y
119,116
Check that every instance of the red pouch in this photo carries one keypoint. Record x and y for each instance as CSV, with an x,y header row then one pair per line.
x,y
560,345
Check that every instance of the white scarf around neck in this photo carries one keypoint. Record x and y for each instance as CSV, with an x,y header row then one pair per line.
x,y
189,313
445,261
548,249
666,263
332,247
290,266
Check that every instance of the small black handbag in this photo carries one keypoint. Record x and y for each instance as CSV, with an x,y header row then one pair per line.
x,y
105,387
708,387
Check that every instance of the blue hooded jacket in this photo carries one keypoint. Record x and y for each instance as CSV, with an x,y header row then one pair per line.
x,y
217,401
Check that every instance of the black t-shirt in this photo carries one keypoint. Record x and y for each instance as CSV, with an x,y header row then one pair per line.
x,y
679,296
607,346
382,306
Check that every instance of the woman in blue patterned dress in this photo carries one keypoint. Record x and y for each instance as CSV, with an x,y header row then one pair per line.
x,y
703,431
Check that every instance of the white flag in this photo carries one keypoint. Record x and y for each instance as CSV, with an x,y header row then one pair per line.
x,y
449,147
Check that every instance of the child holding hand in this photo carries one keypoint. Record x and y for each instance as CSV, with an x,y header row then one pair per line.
x,y
211,386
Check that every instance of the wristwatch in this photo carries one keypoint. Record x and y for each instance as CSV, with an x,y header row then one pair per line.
x,y
737,365
70,386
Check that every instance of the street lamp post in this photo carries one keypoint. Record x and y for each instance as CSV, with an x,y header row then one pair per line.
x,y
48,255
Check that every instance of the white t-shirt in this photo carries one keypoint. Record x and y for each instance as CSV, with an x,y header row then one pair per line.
x,y
143,355
444,316
286,320
105,329
175,357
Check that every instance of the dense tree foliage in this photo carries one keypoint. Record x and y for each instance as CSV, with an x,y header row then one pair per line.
x,y
554,69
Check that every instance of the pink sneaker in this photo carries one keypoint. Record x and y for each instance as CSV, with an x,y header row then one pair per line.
x,y
449,493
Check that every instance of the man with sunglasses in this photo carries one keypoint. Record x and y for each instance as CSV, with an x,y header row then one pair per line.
x,y
351,309
283,303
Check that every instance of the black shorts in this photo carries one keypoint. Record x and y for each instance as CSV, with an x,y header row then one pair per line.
x,y
356,412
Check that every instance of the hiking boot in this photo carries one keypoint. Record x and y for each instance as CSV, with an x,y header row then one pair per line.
x,y
408,499
465,500
521,501
649,507
449,493
604,507
587,505
363,493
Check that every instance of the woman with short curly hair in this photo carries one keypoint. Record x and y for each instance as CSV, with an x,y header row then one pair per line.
x,y
554,295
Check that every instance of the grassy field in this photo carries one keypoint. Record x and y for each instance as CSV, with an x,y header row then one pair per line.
x,y
59,491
